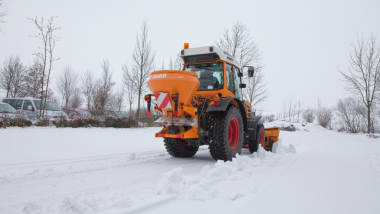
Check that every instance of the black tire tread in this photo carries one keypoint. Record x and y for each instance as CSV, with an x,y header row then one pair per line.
x,y
219,148
179,148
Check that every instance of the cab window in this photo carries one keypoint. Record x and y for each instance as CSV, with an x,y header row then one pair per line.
x,y
237,82
230,78
27,103
210,75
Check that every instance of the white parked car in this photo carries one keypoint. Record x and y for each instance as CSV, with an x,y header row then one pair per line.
x,y
31,108
7,111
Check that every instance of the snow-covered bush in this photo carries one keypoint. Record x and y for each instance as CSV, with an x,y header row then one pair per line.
x,y
308,115
324,116
107,122
42,122
10,122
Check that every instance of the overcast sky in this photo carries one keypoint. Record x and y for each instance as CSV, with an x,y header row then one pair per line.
x,y
303,43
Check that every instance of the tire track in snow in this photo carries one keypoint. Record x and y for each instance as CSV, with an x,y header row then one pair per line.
x,y
46,169
64,167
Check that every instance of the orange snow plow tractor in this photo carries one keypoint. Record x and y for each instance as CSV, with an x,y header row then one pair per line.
x,y
202,104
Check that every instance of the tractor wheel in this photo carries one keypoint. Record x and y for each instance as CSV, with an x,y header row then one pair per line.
x,y
253,143
180,148
260,136
227,135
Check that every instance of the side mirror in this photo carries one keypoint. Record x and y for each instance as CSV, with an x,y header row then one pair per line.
x,y
240,74
242,85
251,71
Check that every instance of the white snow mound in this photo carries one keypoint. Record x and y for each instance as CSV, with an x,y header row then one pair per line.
x,y
223,180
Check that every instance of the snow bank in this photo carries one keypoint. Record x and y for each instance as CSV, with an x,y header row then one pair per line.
x,y
284,125
223,180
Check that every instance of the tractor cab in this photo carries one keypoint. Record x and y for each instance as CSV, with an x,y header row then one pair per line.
x,y
216,70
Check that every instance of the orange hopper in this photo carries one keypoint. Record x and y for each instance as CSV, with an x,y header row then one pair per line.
x,y
183,83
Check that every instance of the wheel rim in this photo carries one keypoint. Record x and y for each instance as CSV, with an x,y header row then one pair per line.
x,y
233,133
261,138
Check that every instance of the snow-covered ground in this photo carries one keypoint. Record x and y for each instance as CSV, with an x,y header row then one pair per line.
x,y
49,170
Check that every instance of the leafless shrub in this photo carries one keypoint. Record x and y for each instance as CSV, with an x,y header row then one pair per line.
x,y
309,115
76,100
117,100
352,113
324,116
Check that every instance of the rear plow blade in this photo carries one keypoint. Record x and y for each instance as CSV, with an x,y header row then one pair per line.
x,y
271,139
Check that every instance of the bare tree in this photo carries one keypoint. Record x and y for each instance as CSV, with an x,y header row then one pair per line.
x,y
66,85
143,63
33,78
352,112
129,87
102,91
171,64
46,34
88,88
239,43
7,75
178,62
289,111
255,92
363,75
12,77
175,63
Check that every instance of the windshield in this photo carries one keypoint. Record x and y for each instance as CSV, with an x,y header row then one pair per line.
x,y
50,106
5,108
210,75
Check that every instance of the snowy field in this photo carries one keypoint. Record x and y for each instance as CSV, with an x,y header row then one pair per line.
x,y
50,170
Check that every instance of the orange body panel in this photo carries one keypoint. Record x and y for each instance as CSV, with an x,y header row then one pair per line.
x,y
189,134
272,134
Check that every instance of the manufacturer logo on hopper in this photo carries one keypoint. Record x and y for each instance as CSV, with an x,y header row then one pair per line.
x,y
158,76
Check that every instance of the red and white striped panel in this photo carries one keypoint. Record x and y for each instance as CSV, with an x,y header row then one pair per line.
x,y
162,100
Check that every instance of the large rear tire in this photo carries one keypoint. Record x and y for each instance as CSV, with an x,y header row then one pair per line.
x,y
261,136
227,135
180,148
